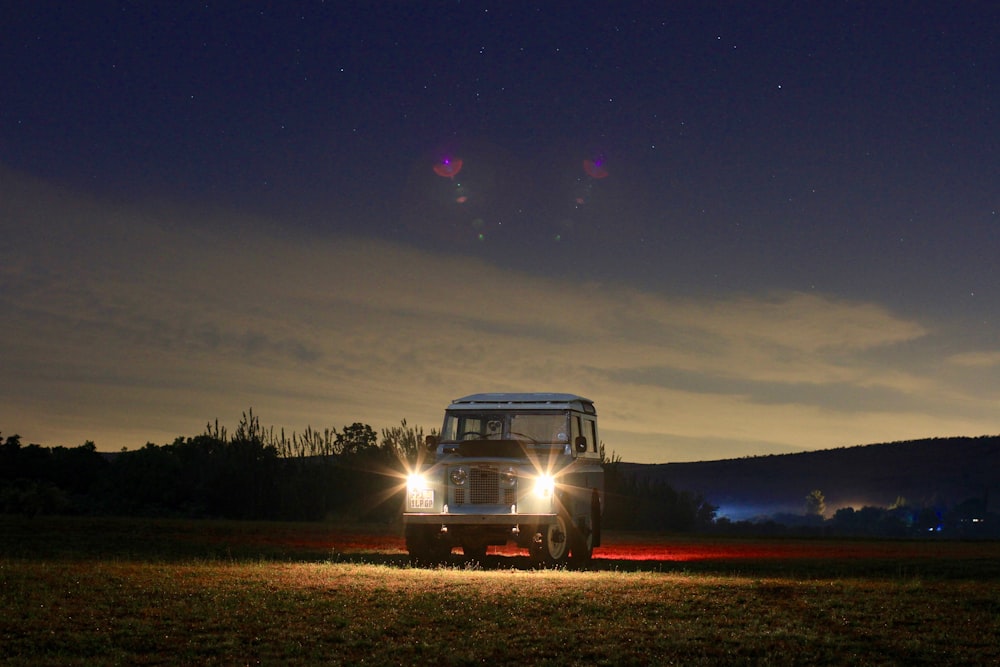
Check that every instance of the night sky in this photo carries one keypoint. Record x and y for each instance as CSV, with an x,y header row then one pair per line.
x,y
740,228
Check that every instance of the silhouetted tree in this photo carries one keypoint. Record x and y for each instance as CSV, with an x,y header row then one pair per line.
x,y
153,481
815,503
42,480
644,504
405,443
356,439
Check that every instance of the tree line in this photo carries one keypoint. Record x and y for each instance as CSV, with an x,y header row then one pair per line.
x,y
258,473
354,473
253,473
968,519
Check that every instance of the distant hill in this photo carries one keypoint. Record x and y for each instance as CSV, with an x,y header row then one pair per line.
x,y
940,472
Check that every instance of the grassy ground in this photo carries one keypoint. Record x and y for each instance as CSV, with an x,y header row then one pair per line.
x,y
151,592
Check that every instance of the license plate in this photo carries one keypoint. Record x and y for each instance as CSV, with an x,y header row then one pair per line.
x,y
421,499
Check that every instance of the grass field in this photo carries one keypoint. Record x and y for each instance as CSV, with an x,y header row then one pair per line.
x,y
102,591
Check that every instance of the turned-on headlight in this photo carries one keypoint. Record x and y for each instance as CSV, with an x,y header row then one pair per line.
x,y
416,481
545,486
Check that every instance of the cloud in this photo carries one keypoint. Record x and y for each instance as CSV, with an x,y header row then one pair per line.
x,y
980,359
126,320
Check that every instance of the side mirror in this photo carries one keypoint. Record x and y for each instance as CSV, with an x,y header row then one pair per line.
x,y
580,443
431,442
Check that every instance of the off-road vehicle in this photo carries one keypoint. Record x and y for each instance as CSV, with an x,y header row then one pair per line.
x,y
509,467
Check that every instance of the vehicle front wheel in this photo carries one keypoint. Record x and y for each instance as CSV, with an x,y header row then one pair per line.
x,y
588,535
582,545
551,543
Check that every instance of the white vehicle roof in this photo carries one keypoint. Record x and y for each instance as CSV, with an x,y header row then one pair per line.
x,y
524,401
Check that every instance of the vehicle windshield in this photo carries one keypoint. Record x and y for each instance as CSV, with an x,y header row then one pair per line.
x,y
534,428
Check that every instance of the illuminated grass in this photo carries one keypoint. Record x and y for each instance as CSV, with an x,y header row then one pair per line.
x,y
83,609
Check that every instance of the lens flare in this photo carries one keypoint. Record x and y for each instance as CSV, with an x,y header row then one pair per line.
x,y
448,167
545,486
595,169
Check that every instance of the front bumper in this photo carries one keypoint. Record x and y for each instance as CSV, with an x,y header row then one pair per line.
x,y
452,519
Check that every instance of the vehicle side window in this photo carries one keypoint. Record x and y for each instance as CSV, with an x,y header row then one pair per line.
x,y
592,434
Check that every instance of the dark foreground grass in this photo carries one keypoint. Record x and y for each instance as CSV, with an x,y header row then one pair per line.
x,y
170,599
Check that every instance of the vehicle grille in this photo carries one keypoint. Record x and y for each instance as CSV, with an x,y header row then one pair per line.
x,y
484,489
484,486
